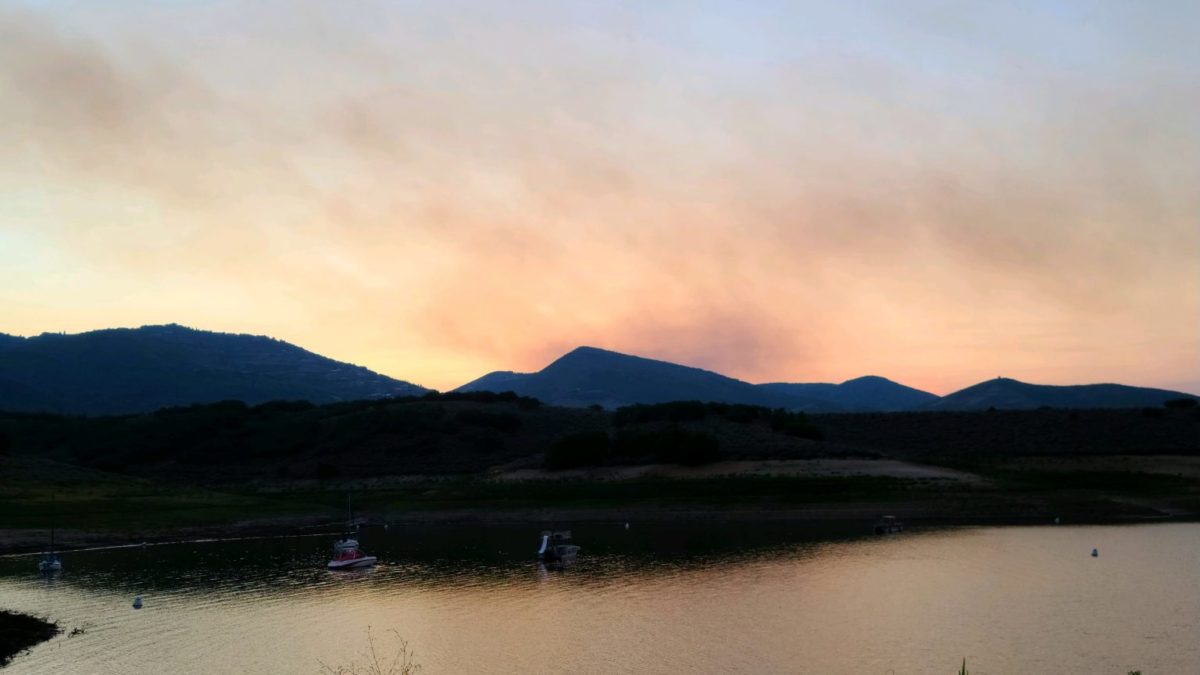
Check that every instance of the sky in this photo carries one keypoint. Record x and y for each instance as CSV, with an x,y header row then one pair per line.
x,y
936,192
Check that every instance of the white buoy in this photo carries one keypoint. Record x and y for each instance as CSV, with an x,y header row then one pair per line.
x,y
137,602
1095,553
627,526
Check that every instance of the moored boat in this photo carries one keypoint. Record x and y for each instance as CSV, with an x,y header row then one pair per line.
x,y
888,525
50,561
351,559
554,547
349,540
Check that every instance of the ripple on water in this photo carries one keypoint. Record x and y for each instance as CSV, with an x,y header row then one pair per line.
x,y
1010,599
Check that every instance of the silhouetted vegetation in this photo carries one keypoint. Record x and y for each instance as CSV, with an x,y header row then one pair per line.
x,y
670,445
19,632
399,659
690,411
1180,403
578,450
472,432
523,402
793,423
502,421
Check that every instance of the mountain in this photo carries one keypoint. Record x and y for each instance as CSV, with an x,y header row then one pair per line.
x,y
871,393
127,370
587,375
1005,393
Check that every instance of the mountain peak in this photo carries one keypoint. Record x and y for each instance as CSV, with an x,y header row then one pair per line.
x,y
869,379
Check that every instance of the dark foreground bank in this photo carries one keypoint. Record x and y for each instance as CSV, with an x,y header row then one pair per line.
x,y
19,632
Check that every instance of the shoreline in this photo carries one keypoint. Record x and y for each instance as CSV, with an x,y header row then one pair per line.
x,y
24,542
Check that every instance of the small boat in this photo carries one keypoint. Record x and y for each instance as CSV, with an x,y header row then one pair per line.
x,y
888,525
351,559
50,561
137,602
555,549
349,541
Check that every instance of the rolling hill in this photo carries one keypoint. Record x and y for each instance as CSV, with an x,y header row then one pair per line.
x,y
590,376
1008,394
863,394
128,370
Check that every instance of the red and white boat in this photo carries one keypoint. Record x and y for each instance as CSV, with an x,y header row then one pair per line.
x,y
351,558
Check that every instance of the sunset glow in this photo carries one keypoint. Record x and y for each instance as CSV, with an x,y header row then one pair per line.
x,y
790,192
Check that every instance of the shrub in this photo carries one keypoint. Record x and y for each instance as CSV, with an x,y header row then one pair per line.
x,y
400,659
674,411
691,448
283,406
794,424
503,421
523,402
1180,403
673,445
582,449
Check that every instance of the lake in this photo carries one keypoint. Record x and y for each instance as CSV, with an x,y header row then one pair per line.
x,y
654,598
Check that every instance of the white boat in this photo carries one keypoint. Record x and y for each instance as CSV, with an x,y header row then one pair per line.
x,y
345,544
888,525
351,559
555,549
348,542
50,561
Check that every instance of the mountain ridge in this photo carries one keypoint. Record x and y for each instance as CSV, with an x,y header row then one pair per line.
x,y
130,370
1010,394
593,376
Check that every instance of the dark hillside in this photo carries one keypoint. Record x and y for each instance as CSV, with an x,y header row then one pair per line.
x,y
121,371
1007,433
870,393
432,434
1008,394
589,376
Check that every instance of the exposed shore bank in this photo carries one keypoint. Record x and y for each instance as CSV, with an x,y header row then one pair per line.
x,y
16,541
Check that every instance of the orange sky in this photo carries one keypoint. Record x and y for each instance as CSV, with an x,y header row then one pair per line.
x,y
791,192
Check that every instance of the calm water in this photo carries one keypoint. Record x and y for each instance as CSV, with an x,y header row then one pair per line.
x,y
653,599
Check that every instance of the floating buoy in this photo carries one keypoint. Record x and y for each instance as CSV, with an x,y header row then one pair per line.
x,y
627,526
137,602
1095,553
1056,520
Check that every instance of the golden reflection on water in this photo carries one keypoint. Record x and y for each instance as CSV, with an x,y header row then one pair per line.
x,y
1008,599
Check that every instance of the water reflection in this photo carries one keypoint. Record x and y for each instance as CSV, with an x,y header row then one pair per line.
x,y
656,598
